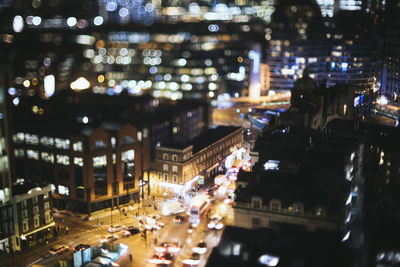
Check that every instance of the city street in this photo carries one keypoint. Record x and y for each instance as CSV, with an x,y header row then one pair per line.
x,y
80,232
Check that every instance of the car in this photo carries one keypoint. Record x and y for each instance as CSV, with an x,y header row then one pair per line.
x,y
108,239
58,250
193,260
201,248
169,247
131,230
115,229
179,219
161,259
81,247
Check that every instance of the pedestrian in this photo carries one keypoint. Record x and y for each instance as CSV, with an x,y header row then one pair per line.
x,y
130,257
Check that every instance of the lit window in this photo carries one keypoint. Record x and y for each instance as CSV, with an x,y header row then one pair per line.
x,y
32,154
32,139
63,190
19,137
62,143
62,159
48,157
174,168
19,152
139,136
46,205
25,225
165,156
128,155
47,217
78,162
36,221
46,141
100,161
113,141
77,146
35,209
165,167
236,249
145,133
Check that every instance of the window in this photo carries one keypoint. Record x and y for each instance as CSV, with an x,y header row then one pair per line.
x,y
256,202
236,249
62,143
145,133
63,190
275,205
99,144
165,156
19,138
24,214
174,157
32,154
46,141
255,223
19,152
128,140
298,208
35,209
47,157
320,212
35,200
159,176
139,136
78,162
36,221
23,204
63,159
175,178
113,141
174,168
32,139
165,167
25,225
165,177
46,205
77,146
47,217
100,161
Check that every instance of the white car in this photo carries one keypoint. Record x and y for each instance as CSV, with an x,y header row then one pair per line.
x,y
115,229
201,248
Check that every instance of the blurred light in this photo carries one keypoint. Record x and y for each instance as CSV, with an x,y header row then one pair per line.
x,y
345,65
100,78
211,94
269,260
123,12
18,24
12,91
82,23
85,39
213,27
47,61
153,70
36,21
346,237
27,83
382,100
111,6
80,84
85,120
49,85
182,62
71,21
16,101
98,20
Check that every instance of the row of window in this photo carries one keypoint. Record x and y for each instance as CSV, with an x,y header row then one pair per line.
x,y
165,175
174,168
296,208
24,213
36,221
174,157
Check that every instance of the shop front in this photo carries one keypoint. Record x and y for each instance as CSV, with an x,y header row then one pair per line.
x,y
39,236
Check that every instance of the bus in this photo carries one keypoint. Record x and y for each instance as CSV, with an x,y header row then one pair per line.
x,y
199,207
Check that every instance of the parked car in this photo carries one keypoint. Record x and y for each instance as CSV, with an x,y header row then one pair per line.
x,y
131,230
81,247
108,239
58,250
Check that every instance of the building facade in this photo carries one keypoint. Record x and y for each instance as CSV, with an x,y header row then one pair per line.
x,y
34,223
95,170
177,170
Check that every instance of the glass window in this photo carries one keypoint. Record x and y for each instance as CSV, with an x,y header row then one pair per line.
x,y
78,162
165,177
46,141
128,140
174,168
174,157
128,155
275,205
165,167
113,141
32,139
175,178
23,204
165,156
236,249
159,176
63,190
24,214
19,138
48,157
32,154
19,152
77,146
25,225
145,133
47,217
100,161
46,205
139,136
36,221
35,199
35,209
62,143
255,223
99,144
63,159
